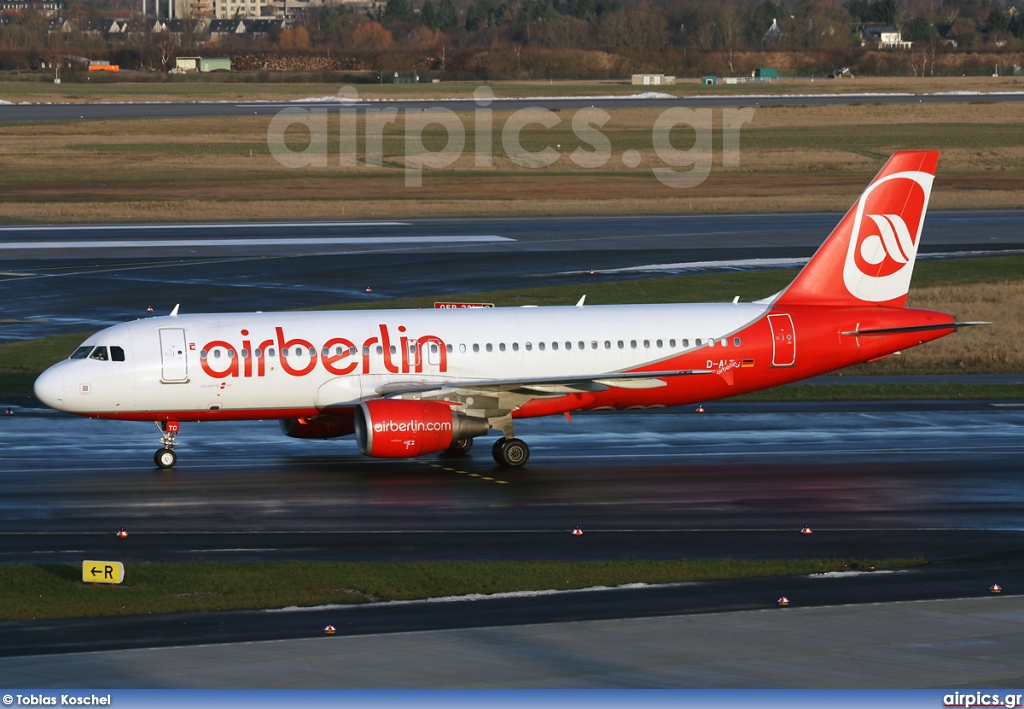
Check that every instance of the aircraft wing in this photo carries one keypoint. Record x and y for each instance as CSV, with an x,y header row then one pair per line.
x,y
544,385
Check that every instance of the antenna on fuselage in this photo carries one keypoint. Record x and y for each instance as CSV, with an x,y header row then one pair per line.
x,y
580,304
174,313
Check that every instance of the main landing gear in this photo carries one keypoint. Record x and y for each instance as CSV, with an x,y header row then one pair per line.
x,y
165,458
510,452
507,452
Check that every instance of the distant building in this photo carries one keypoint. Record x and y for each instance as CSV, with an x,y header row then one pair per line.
x,y
202,64
103,28
58,25
222,29
240,9
652,80
884,36
46,8
258,29
179,28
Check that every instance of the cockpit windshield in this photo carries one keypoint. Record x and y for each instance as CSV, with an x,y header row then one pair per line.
x,y
100,353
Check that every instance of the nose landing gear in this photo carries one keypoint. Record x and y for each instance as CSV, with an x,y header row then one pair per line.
x,y
165,458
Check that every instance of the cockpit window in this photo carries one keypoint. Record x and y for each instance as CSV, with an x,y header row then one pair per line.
x,y
99,353
116,353
81,352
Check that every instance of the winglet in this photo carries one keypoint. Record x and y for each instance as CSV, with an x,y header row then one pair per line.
x,y
174,313
580,303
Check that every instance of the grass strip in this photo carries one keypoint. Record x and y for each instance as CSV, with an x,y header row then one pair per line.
x,y
36,592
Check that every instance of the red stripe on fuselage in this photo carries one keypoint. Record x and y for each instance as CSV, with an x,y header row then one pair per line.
x,y
820,348
197,416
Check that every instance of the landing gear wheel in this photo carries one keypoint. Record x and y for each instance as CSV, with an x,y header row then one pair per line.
x,y
460,447
511,452
165,458
496,451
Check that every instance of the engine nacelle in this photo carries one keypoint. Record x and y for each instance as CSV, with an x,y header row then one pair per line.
x,y
395,428
317,427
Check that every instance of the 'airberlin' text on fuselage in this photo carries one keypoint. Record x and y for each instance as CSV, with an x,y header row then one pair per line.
x,y
338,355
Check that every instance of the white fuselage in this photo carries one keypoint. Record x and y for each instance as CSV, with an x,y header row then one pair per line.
x,y
247,365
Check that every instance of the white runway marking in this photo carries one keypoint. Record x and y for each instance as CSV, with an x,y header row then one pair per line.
x,y
195,225
764,263
209,243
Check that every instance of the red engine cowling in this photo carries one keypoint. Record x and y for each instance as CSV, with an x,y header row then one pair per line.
x,y
394,428
318,427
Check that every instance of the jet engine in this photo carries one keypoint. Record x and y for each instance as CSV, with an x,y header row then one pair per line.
x,y
395,428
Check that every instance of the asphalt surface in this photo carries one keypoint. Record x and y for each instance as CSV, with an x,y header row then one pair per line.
x,y
936,479
859,466
59,279
941,480
64,112
937,581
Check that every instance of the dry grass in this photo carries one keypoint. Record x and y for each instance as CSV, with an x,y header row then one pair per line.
x,y
988,348
792,159
289,209
218,90
877,114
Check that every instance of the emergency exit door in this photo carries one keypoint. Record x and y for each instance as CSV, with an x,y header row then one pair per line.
x,y
783,340
172,355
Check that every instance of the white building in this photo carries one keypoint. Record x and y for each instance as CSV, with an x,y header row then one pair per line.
x,y
886,37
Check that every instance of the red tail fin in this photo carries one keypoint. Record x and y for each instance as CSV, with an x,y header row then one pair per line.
x,y
869,257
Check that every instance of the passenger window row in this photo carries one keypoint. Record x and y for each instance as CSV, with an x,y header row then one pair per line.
x,y
579,345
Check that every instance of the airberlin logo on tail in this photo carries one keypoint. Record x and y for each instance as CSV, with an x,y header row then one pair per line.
x,y
893,241
886,231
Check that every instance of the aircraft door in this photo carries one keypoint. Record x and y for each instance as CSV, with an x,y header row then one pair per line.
x,y
172,355
783,340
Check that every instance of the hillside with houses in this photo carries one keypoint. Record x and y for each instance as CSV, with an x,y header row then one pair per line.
x,y
523,38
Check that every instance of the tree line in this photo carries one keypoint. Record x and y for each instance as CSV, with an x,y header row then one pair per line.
x,y
571,38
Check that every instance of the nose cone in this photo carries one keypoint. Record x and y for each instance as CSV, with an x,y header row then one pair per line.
x,y
49,388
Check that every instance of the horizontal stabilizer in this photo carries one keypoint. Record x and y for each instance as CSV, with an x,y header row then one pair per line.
x,y
913,328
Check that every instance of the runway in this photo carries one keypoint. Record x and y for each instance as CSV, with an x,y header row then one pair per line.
x,y
941,480
104,111
60,279
887,479
966,643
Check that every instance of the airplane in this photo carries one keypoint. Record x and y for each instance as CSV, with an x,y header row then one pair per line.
x,y
414,382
